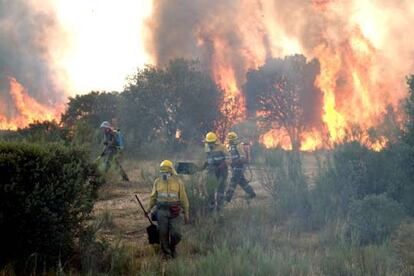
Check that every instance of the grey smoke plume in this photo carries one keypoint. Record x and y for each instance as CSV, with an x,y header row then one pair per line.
x,y
27,32
370,42
205,30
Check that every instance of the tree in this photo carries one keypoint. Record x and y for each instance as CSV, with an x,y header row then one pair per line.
x,y
409,107
283,95
175,103
92,108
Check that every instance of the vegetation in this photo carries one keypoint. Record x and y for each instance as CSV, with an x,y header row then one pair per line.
x,y
353,216
47,193
281,92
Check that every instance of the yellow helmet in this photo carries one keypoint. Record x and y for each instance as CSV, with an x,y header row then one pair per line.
x,y
232,136
211,137
166,166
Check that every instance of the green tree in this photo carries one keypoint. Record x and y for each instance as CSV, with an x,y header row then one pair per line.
x,y
92,108
409,106
176,103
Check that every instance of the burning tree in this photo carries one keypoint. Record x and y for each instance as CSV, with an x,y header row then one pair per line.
x,y
283,96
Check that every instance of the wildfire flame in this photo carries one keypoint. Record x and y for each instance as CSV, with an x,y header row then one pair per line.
x,y
362,53
24,109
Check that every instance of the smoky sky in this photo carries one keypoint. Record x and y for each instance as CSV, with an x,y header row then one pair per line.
x,y
192,29
244,34
26,31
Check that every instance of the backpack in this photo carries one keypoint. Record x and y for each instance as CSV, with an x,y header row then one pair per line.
x,y
119,139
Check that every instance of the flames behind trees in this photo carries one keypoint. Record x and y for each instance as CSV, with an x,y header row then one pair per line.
x,y
283,96
363,54
24,109
32,85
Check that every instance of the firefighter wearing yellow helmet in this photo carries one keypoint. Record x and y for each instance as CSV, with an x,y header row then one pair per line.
x,y
170,198
217,170
238,163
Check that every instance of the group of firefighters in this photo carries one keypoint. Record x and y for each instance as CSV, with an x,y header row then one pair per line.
x,y
168,197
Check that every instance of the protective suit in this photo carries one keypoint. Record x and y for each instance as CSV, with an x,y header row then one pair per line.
x,y
238,164
111,150
170,198
217,171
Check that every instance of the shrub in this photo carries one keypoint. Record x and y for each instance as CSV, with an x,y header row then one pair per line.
x,y
196,194
354,173
403,241
401,173
373,219
284,180
46,194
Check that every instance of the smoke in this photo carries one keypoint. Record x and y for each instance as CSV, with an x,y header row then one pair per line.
x,y
215,32
28,33
364,48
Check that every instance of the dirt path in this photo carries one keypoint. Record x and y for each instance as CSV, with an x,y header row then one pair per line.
x,y
123,220
122,217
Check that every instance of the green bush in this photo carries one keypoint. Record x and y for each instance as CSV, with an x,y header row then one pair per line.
x,y
282,177
400,164
46,194
373,219
197,196
357,172
403,242
38,132
354,173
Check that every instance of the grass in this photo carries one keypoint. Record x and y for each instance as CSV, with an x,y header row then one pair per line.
x,y
250,241
261,239
256,238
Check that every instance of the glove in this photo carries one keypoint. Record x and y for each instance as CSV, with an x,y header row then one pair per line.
x,y
147,213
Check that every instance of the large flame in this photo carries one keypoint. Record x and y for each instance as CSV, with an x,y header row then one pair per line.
x,y
24,109
363,48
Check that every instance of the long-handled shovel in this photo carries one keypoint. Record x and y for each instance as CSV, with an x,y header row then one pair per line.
x,y
152,230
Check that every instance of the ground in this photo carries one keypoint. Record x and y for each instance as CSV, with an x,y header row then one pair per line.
x,y
124,220
249,238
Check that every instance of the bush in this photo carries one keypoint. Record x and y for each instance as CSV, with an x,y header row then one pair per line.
x,y
354,173
403,241
284,180
400,164
46,194
197,196
38,132
373,219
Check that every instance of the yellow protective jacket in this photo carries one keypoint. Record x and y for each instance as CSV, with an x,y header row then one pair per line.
x,y
217,155
169,191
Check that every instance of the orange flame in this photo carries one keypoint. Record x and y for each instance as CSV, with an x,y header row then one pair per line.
x,y
25,110
311,141
350,80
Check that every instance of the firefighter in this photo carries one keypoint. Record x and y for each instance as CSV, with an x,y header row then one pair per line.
x,y
217,171
170,198
238,164
111,149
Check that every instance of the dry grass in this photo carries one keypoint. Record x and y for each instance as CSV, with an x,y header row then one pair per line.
x,y
250,238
